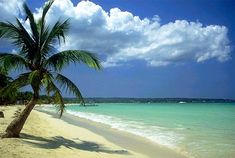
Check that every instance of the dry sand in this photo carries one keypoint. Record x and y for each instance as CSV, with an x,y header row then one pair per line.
x,y
47,136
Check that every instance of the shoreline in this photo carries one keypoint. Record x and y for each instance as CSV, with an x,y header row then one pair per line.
x,y
121,138
45,135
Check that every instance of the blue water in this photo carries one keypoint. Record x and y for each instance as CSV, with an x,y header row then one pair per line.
x,y
205,130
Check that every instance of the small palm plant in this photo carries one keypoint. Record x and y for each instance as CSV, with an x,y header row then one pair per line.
x,y
38,56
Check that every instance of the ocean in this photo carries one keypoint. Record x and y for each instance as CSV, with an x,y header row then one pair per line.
x,y
198,130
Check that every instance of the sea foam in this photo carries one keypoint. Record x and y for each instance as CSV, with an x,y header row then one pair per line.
x,y
156,134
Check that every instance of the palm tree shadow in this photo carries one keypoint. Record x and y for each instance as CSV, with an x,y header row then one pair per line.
x,y
58,141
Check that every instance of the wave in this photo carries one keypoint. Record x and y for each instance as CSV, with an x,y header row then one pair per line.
x,y
159,135
163,136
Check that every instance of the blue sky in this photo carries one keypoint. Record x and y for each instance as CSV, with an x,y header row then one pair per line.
x,y
155,72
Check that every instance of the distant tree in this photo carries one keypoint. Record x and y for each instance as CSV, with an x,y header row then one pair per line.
x,y
4,81
3,78
24,97
39,57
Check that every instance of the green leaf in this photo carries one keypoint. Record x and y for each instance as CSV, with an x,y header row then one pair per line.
x,y
19,36
34,76
33,25
41,22
12,61
19,82
51,87
50,36
68,85
59,99
61,59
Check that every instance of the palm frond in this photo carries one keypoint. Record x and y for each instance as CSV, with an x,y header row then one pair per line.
x,y
47,78
56,33
59,100
34,76
3,71
41,22
68,85
46,8
33,25
13,32
28,44
19,36
51,87
4,79
11,61
19,82
61,59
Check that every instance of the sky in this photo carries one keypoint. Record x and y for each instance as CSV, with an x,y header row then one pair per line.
x,y
148,48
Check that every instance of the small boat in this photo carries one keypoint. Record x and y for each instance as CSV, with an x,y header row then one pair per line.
x,y
182,102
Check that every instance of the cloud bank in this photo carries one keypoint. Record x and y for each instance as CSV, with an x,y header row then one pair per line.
x,y
120,37
8,12
10,9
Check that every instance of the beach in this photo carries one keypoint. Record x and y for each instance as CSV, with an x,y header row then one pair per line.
x,y
45,135
154,80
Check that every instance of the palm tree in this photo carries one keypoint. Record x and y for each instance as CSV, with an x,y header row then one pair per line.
x,y
41,61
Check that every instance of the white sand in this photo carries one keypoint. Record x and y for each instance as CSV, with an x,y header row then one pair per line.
x,y
45,136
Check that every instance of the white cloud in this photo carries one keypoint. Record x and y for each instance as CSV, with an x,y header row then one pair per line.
x,y
178,42
121,36
10,9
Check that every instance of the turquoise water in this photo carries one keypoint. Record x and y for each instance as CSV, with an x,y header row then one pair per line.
x,y
205,130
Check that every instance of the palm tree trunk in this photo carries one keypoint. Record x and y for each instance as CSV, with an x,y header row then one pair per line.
x,y
14,128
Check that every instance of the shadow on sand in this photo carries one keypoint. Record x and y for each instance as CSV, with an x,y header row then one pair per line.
x,y
58,141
